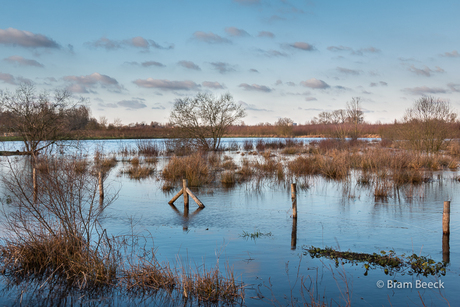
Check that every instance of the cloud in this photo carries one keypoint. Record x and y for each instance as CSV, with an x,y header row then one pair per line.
x,y
422,90
453,54
454,87
166,84
290,83
189,65
87,84
14,37
132,104
311,99
315,83
158,106
360,51
255,87
135,42
302,46
152,63
108,105
272,53
247,2
252,107
210,38
381,83
214,85
253,70
266,34
348,71
8,78
223,67
426,71
232,31
22,61
278,82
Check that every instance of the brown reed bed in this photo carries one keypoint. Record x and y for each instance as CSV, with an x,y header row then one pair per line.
x,y
139,172
147,148
194,168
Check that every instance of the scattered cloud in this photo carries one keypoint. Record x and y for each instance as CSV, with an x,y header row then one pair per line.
x,y
166,84
348,71
303,46
158,106
87,84
152,63
381,83
272,53
223,67
252,107
266,34
278,82
15,59
134,103
311,99
8,78
315,83
189,65
426,71
290,83
135,42
232,31
210,38
26,39
360,51
454,87
453,54
255,87
213,85
422,90
254,70
107,105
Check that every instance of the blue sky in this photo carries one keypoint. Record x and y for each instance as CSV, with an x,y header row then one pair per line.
x,y
277,58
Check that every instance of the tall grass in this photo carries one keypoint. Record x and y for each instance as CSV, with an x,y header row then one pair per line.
x,y
194,168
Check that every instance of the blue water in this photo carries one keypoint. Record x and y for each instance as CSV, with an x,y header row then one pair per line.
x,y
329,214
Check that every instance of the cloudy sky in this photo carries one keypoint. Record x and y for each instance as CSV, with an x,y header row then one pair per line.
x,y
278,58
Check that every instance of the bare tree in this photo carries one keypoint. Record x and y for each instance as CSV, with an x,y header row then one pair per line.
x,y
426,124
205,118
354,117
284,126
40,120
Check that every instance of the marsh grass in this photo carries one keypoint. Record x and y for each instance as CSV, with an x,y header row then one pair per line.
x,y
139,172
194,168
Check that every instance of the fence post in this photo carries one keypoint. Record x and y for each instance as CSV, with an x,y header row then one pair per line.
x,y
446,218
101,188
184,188
294,200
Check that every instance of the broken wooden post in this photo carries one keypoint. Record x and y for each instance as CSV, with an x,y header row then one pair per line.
x,y
294,200
34,179
101,188
185,191
445,248
294,234
446,218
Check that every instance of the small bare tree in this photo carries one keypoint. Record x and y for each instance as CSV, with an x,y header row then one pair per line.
x,y
284,126
204,119
426,124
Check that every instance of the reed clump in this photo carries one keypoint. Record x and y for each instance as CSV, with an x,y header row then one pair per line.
x,y
140,172
147,148
228,178
194,168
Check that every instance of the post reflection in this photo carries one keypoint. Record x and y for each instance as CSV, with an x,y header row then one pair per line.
x,y
185,216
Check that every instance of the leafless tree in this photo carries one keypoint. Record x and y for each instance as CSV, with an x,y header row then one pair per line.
x,y
284,126
426,123
204,118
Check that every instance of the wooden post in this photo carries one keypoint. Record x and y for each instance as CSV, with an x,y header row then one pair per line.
x,y
445,248
176,197
446,218
34,179
184,189
101,188
294,200
198,202
294,234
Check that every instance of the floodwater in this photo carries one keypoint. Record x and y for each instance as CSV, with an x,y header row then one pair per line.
x,y
330,214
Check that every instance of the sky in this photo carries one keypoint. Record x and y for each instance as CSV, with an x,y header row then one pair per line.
x,y
277,58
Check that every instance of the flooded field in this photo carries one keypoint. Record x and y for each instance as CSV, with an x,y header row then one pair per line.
x,y
249,228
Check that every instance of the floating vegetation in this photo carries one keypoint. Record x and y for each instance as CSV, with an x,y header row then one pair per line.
x,y
255,235
419,265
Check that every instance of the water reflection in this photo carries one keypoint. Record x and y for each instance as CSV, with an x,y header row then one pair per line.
x,y
186,216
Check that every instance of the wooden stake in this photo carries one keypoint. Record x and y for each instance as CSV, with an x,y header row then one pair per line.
x,y
446,218
176,197
294,234
184,189
445,248
199,203
101,188
294,200
293,191
34,179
